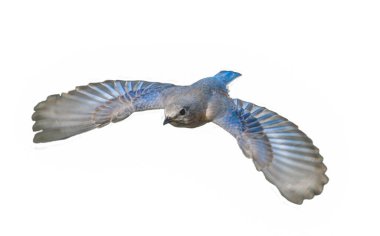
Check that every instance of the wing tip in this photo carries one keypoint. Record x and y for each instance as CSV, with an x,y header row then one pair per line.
x,y
37,138
309,193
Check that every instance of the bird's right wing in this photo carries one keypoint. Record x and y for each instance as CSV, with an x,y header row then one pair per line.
x,y
93,106
286,156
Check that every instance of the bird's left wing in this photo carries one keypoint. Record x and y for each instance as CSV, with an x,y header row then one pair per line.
x,y
286,156
94,106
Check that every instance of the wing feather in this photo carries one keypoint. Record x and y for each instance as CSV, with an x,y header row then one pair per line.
x,y
286,156
94,106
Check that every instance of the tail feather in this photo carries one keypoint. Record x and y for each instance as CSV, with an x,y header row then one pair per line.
x,y
227,76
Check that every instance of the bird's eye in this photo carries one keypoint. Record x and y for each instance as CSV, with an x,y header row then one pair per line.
x,y
182,112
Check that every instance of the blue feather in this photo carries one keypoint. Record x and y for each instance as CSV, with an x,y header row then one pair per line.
x,y
227,76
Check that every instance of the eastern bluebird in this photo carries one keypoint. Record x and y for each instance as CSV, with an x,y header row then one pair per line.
x,y
285,155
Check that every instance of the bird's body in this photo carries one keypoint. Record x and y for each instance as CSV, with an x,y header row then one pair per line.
x,y
206,99
285,155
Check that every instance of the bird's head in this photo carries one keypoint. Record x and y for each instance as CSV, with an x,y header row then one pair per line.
x,y
182,114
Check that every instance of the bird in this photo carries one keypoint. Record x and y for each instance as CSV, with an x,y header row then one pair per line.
x,y
284,154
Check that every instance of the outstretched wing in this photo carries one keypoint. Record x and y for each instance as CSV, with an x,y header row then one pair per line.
x,y
93,106
285,155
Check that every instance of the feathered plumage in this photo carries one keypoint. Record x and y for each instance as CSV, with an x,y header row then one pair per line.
x,y
286,156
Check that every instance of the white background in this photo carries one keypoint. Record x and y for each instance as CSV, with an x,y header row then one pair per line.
x,y
314,62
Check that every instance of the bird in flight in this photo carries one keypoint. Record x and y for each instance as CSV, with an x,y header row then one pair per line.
x,y
286,156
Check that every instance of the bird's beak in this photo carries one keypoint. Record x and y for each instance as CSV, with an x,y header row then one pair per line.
x,y
167,120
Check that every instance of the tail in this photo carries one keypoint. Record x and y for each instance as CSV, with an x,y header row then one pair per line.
x,y
227,76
